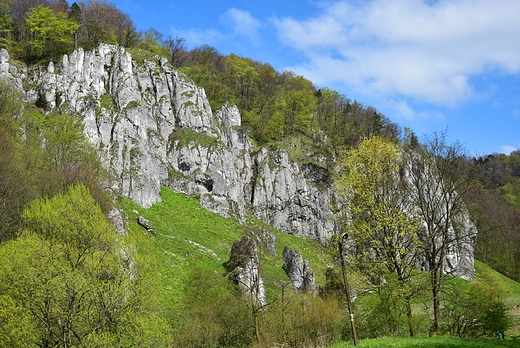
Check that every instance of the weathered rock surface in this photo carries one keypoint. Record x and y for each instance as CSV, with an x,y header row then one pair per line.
x,y
153,127
243,267
146,224
298,270
118,220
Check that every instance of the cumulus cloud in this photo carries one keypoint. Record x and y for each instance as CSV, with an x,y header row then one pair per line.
x,y
242,23
424,50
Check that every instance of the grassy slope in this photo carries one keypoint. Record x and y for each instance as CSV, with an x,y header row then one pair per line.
x,y
179,219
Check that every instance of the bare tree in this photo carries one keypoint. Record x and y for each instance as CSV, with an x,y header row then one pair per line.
x,y
177,48
439,178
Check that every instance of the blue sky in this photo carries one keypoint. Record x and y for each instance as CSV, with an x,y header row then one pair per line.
x,y
428,65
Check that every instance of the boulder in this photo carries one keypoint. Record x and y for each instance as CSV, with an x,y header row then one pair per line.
x,y
298,270
243,268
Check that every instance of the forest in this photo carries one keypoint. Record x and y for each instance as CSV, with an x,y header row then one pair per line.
x,y
78,283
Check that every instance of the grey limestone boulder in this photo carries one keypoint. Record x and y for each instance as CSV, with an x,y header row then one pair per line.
x,y
298,270
243,268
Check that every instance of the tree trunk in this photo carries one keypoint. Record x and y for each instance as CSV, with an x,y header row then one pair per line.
x,y
257,329
435,281
409,316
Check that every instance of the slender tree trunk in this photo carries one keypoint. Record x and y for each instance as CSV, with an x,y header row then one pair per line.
x,y
347,289
435,281
257,329
409,316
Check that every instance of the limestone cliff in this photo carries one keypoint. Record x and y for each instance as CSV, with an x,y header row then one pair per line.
x,y
153,127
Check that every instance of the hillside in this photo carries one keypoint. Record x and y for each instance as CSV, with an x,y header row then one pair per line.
x,y
157,197
151,127
171,256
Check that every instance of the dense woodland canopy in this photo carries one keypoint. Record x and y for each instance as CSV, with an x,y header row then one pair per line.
x,y
46,161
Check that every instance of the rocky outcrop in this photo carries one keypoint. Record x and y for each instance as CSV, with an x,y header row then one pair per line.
x,y
243,268
153,127
298,270
146,224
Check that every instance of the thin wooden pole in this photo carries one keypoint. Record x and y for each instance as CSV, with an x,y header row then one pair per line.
x,y
347,287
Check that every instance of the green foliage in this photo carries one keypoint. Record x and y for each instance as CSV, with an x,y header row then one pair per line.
x,y
511,192
6,25
65,143
107,101
218,316
189,138
476,310
74,284
75,12
151,41
52,32
495,208
385,236
432,342
15,190
11,108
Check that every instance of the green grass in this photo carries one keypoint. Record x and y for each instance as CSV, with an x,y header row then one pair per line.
x,y
511,287
432,342
179,221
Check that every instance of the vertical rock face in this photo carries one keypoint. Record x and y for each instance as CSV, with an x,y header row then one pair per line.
x,y
298,270
153,127
243,266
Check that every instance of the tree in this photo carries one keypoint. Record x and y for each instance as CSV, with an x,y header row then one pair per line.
x,y
75,12
206,66
176,47
439,177
52,32
6,25
151,40
478,310
75,283
103,22
15,188
297,105
381,224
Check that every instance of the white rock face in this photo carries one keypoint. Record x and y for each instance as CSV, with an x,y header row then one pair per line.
x,y
153,127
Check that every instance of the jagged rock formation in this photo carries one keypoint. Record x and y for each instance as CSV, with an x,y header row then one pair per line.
x,y
298,270
153,127
264,239
243,268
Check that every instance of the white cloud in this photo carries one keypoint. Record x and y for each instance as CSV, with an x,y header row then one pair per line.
x,y
407,48
507,149
195,37
402,108
242,23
